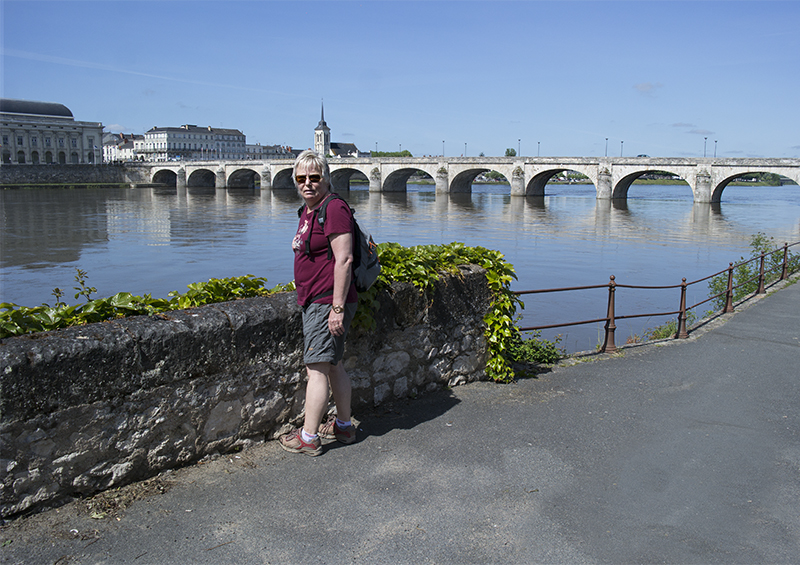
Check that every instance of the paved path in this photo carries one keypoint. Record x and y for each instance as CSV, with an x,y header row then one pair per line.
x,y
685,453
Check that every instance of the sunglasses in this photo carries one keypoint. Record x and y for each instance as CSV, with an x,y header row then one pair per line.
x,y
301,179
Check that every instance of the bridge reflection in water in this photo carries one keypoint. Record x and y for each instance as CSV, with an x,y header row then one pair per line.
x,y
526,176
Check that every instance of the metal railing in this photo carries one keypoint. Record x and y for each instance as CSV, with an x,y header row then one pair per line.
x,y
682,333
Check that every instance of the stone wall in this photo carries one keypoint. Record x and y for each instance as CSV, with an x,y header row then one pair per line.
x,y
27,175
97,406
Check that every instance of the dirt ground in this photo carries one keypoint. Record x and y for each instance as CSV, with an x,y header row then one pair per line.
x,y
86,520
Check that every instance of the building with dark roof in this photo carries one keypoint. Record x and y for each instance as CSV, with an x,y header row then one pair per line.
x,y
46,132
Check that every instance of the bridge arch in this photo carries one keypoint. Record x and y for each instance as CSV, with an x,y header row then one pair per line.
x,y
165,176
622,186
538,182
397,180
243,178
721,185
462,181
201,178
341,177
282,179
460,175
393,177
538,179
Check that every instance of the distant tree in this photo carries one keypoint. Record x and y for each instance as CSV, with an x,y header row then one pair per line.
x,y
769,179
511,152
403,153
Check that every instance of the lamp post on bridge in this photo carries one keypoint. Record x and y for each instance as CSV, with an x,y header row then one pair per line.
x,y
443,148
519,151
606,147
705,141
621,143
538,146
715,149
465,149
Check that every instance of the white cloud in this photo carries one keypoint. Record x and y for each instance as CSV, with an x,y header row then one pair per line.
x,y
648,88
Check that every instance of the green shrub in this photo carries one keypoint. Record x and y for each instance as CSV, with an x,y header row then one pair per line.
x,y
20,320
742,273
668,329
535,350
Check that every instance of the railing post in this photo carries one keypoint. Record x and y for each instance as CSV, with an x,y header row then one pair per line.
x,y
729,292
682,333
785,271
761,276
608,344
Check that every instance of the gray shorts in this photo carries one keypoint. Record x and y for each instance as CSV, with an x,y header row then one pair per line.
x,y
321,346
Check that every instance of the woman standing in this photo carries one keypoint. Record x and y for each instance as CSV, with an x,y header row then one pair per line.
x,y
323,258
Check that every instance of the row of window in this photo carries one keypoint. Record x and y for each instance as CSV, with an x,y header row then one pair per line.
x,y
191,136
207,147
173,157
48,158
47,141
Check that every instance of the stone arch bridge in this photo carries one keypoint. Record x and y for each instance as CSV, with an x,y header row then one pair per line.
x,y
527,176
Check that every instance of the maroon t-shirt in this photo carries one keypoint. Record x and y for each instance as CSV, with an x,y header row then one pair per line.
x,y
313,273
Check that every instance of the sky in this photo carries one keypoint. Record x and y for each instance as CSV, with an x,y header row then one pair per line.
x,y
554,78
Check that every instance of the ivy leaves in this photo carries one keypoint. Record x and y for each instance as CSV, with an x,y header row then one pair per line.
x,y
422,265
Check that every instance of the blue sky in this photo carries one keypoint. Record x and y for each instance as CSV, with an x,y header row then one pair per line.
x,y
557,77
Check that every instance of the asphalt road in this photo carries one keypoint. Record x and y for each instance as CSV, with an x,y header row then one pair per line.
x,y
682,453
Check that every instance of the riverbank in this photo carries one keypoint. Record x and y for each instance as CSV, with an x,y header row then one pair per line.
x,y
620,448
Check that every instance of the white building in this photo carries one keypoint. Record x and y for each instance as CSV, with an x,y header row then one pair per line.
x,y
46,132
119,147
191,143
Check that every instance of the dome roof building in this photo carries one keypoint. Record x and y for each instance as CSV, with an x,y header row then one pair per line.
x,y
46,132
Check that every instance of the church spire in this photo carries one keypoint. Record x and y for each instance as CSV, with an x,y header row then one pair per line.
x,y
322,135
322,115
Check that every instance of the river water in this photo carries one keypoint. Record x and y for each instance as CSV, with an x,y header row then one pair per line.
x,y
155,240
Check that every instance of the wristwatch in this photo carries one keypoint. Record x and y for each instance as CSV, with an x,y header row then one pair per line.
x,y
338,309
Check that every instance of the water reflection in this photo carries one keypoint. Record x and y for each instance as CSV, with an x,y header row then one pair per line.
x,y
156,240
37,234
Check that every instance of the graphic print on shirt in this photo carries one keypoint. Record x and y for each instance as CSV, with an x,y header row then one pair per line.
x,y
297,242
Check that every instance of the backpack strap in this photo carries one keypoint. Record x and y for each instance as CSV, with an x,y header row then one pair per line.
x,y
323,211
318,215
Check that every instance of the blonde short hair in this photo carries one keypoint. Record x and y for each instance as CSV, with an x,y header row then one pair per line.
x,y
314,160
